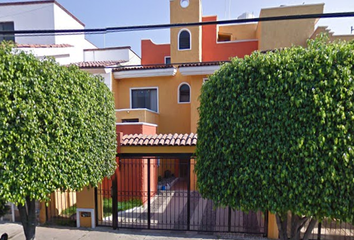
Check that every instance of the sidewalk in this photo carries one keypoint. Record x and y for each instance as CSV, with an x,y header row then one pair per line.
x,y
15,232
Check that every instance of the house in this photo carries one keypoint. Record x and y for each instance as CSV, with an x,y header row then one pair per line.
x,y
156,108
163,91
66,49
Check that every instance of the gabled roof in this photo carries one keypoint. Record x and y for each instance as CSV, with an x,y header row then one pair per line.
x,y
98,64
44,45
160,140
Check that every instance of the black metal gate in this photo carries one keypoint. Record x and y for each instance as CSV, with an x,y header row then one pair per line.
x,y
159,192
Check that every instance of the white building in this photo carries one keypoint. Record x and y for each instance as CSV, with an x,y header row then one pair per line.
x,y
66,49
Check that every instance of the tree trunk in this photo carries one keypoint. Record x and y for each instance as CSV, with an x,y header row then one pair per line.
x,y
282,222
297,223
28,218
309,229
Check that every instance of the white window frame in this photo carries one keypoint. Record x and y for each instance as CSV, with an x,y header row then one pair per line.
x,y
190,93
190,40
205,80
142,88
166,58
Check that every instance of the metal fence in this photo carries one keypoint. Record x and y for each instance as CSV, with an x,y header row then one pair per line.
x,y
159,192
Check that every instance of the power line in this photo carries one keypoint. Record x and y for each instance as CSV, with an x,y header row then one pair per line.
x,y
175,25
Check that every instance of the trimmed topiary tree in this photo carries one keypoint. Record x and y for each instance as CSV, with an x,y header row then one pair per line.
x,y
276,132
57,131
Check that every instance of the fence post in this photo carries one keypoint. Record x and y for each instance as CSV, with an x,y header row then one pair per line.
x,y
96,206
149,196
229,221
114,201
189,195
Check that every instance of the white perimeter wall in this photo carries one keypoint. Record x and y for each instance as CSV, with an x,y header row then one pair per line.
x,y
113,55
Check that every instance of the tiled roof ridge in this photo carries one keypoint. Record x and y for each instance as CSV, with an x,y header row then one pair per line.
x,y
62,45
160,139
159,66
96,64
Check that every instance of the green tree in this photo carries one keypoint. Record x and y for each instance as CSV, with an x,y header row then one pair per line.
x,y
276,133
57,131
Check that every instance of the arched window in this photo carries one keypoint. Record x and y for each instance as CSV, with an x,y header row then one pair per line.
x,y
184,40
184,93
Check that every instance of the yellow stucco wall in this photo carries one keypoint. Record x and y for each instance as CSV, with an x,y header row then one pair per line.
x,y
190,14
195,93
143,116
240,31
273,231
173,117
280,34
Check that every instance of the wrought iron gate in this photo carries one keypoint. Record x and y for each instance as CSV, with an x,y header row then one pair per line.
x,y
159,192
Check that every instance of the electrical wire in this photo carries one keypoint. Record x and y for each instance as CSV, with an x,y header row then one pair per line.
x,y
107,30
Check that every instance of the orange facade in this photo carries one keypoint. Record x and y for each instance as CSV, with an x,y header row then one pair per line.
x,y
212,50
152,53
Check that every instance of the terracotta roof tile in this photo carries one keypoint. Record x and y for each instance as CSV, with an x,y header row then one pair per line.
x,y
201,64
147,67
44,45
98,64
159,140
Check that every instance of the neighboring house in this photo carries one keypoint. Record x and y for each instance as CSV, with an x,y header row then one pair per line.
x,y
66,49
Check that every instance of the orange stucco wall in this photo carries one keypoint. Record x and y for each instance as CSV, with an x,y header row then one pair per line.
x,y
136,129
152,53
222,51
173,116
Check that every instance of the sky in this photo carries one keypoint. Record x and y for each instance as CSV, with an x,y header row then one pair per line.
x,y
114,13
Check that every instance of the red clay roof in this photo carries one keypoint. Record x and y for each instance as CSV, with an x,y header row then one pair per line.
x,y
146,67
98,64
43,45
160,140
158,66
201,64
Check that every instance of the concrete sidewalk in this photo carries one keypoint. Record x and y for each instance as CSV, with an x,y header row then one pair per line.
x,y
15,232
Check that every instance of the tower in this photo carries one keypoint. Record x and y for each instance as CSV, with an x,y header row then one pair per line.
x,y
186,42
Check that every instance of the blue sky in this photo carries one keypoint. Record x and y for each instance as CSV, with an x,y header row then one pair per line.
x,y
108,13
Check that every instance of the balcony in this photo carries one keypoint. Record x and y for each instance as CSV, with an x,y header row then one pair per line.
x,y
137,115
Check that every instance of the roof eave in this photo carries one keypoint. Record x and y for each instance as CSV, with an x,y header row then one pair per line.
x,y
163,72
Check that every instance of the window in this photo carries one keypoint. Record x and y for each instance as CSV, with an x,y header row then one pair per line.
x,y
184,95
184,40
130,120
144,98
168,60
7,26
205,80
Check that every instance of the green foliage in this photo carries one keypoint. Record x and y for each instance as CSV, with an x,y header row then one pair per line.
x,y
57,127
122,206
276,132
69,211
